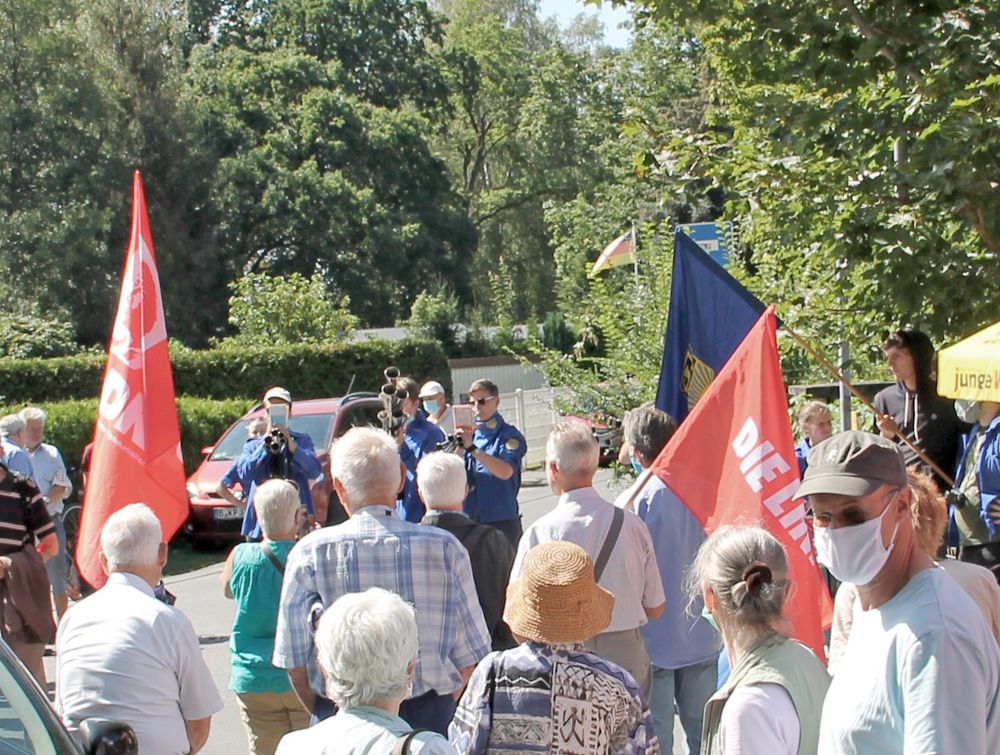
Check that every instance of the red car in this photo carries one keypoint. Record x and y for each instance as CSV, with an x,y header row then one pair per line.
x,y
213,519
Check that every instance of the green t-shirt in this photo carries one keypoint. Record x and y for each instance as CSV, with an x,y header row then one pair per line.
x,y
256,587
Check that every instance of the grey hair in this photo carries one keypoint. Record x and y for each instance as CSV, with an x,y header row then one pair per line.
x,y
647,429
366,643
441,480
366,462
721,563
810,409
131,537
572,447
276,502
32,413
11,424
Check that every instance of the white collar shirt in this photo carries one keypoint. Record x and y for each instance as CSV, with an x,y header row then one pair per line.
x,y
123,655
583,517
48,469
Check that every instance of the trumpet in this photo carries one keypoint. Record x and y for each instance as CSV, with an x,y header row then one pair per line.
x,y
391,416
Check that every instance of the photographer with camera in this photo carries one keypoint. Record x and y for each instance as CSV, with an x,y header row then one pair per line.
x,y
418,439
975,498
279,453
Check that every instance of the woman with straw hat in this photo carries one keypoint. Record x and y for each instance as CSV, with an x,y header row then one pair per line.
x,y
550,693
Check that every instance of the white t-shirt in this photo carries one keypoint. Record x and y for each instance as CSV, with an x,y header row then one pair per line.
x,y
920,674
123,655
759,719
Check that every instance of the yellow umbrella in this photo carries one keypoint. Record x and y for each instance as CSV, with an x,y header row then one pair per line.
x,y
971,368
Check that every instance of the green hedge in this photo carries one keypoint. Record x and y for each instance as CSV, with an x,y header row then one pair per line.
x,y
70,426
308,371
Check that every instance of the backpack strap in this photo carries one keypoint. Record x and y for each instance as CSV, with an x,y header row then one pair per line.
x,y
609,543
403,743
272,558
475,536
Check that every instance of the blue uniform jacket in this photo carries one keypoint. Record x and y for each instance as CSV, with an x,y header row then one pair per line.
x,y
802,455
491,499
253,468
421,438
988,471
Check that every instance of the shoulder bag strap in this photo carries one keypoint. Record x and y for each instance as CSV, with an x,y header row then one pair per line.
x,y
403,743
609,543
475,536
272,558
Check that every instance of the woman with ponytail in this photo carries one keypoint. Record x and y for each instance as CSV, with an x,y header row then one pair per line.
x,y
772,701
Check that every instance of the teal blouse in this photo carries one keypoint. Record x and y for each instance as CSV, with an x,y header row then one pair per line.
x,y
256,587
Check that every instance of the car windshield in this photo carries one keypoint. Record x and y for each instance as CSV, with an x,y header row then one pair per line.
x,y
230,444
316,426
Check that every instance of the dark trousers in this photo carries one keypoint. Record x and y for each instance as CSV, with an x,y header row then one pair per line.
x,y
511,528
429,711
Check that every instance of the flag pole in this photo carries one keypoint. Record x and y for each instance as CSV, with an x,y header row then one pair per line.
x,y
864,400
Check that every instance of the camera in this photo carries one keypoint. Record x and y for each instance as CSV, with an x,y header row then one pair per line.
x,y
275,441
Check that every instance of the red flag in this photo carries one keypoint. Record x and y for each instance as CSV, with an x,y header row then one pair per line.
x,y
137,454
732,461
621,251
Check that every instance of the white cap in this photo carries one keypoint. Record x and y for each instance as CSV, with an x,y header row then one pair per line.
x,y
431,388
279,393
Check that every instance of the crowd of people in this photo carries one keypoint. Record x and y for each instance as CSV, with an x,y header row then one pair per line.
x,y
428,622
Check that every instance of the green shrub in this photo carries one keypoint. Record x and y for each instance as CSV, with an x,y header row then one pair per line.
x,y
70,425
24,335
307,370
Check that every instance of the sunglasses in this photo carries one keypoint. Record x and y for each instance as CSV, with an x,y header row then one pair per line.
x,y
480,401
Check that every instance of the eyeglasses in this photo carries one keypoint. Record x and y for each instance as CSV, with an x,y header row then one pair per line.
x,y
480,401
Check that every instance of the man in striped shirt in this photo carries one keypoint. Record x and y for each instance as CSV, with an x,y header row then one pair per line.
x,y
23,579
425,566
628,569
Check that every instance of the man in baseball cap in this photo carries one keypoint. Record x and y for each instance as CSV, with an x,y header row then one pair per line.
x,y
436,405
921,672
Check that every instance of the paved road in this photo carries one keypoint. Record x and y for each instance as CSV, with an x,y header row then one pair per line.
x,y
200,597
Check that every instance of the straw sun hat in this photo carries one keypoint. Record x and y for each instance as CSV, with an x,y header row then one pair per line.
x,y
556,600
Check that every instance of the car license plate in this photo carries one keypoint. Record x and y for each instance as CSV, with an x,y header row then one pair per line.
x,y
227,512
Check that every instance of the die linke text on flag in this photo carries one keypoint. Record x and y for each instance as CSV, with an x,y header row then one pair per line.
x,y
733,462
710,313
136,456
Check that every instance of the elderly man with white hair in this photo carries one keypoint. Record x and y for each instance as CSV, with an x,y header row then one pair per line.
x,y
617,541
121,654
49,473
442,487
367,648
375,548
12,441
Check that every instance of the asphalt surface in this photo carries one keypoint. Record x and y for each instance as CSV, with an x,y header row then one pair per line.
x,y
200,596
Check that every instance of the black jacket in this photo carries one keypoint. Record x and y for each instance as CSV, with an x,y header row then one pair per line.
x,y
492,558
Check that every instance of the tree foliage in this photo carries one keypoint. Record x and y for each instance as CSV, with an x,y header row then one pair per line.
x,y
859,136
271,310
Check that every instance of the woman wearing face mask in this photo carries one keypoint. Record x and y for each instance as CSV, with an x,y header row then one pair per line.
x,y
772,701
975,505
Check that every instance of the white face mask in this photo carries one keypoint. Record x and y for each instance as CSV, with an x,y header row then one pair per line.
x,y
855,554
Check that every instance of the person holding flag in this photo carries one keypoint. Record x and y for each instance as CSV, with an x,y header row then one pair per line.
x,y
683,648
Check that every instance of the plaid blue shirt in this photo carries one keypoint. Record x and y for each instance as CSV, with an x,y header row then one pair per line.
x,y
425,566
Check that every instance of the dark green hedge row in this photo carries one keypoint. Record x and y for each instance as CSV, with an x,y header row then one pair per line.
x,y
308,371
70,426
